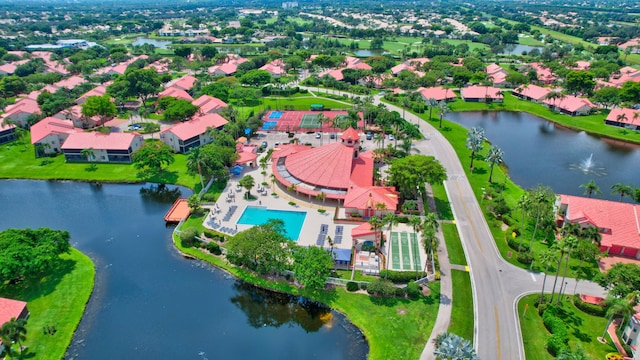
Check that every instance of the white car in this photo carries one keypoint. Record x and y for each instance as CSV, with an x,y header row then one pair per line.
x,y
391,137
318,135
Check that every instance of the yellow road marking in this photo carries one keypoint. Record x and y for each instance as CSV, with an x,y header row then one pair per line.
x,y
466,268
495,310
466,209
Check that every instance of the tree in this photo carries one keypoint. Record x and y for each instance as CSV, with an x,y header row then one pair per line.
x,y
570,243
607,96
541,200
524,202
87,153
391,219
580,81
13,331
208,52
11,86
100,106
262,248
28,253
516,79
443,108
410,173
617,307
431,103
196,161
576,354
622,189
475,142
153,155
376,224
547,257
311,266
450,346
247,182
620,279
495,156
141,83
179,109
182,51
591,188
256,77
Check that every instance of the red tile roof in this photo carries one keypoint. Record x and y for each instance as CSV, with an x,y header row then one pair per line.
x,y
361,230
327,166
98,141
481,92
336,74
70,83
350,134
176,93
8,68
247,153
571,103
533,91
50,125
185,83
367,197
439,93
196,126
623,219
24,105
632,117
208,103
492,69
10,308
96,91
276,67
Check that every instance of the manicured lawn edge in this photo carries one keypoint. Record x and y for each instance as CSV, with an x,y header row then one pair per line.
x,y
462,306
57,300
394,328
454,245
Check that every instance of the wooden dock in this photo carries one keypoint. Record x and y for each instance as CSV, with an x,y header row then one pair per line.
x,y
179,211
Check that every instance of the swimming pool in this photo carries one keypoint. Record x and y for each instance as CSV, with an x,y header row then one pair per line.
x,y
258,215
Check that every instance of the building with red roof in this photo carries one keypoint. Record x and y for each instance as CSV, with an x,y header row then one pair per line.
x,y
371,200
276,68
70,83
355,63
20,111
228,67
247,154
12,309
570,105
617,222
193,133
477,93
626,118
209,104
411,65
99,90
176,93
184,83
8,68
497,74
634,44
439,93
531,92
50,133
113,147
74,114
334,73
631,333
7,133
545,75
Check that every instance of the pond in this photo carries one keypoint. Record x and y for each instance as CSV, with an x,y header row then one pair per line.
x,y
539,152
517,49
367,53
151,303
161,44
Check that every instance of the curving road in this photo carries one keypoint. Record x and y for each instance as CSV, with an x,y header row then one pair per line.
x,y
497,285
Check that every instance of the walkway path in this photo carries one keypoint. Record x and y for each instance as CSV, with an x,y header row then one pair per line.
x,y
496,285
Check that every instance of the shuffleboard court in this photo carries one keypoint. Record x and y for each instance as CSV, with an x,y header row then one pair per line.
x,y
395,251
406,256
415,250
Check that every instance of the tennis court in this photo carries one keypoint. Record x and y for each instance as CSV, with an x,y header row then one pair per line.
x,y
303,121
269,125
405,252
275,115
310,121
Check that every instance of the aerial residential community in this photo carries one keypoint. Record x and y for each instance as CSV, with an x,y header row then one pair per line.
x,y
344,180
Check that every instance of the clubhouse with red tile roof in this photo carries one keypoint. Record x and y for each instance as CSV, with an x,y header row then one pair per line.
x,y
617,222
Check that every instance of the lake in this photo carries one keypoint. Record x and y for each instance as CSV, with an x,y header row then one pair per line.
x,y
540,152
517,49
161,44
151,303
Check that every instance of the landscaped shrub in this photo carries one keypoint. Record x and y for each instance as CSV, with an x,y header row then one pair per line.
x,y
352,286
403,219
400,276
188,236
368,247
525,257
400,292
214,248
381,287
208,197
555,345
515,243
363,286
591,309
413,290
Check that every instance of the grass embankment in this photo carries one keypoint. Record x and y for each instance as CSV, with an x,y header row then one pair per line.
x,y
593,124
462,306
18,161
56,300
442,203
394,328
454,245
582,328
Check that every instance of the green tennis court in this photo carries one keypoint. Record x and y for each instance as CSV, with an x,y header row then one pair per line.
x,y
406,256
310,121
395,251
415,251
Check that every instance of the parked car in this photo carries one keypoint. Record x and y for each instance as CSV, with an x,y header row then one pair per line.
x,y
391,137
318,135
332,136
264,144
369,135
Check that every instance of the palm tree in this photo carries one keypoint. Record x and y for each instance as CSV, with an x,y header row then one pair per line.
x,y
621,118
379,140
617,307
570,242
13,331
406,102
376,224
391,219
322,120
558,248
431,103
541,199
453,347
622,189
444,109
495,156
380,207
475,139
591,188
407,146
248,183
197,159
321,196
87,153
524,203
546,258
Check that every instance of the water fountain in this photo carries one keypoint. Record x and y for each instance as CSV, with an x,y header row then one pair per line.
x,y
588,166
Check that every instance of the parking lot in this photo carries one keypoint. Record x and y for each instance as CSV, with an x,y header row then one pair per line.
x,y
273,138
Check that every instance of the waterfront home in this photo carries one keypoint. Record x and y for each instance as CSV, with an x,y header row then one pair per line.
x,y
20,111
570,105
477,93
7,133
617,222
193,133
113,147
209,104
439,93
48,134
497,74
626,118
531,92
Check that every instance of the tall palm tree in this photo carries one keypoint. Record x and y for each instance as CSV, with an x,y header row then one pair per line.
x,y
547,257
196,159
416,223
391,220
376,224
617,307
475,140
407,146
379,140
443,109
621,117
622,189
591,188
541,201
406,102
495,156
570,242
431,103
560,250
247,182
524,203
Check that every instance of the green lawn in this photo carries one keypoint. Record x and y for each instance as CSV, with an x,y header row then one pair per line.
x,y
298,103
454,245
462,307
472,45
346,274
590,123
528,40
19,162
442,202
583,329
57,299
394,328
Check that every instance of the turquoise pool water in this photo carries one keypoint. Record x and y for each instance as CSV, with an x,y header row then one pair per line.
x,y
258,215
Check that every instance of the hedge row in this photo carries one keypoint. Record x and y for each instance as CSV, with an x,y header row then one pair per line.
x,y
400,277
559,338
591,309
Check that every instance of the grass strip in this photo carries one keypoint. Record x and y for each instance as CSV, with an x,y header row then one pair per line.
x,y
462,307
454,244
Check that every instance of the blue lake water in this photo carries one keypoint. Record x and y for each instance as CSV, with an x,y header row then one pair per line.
x,y
258,215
